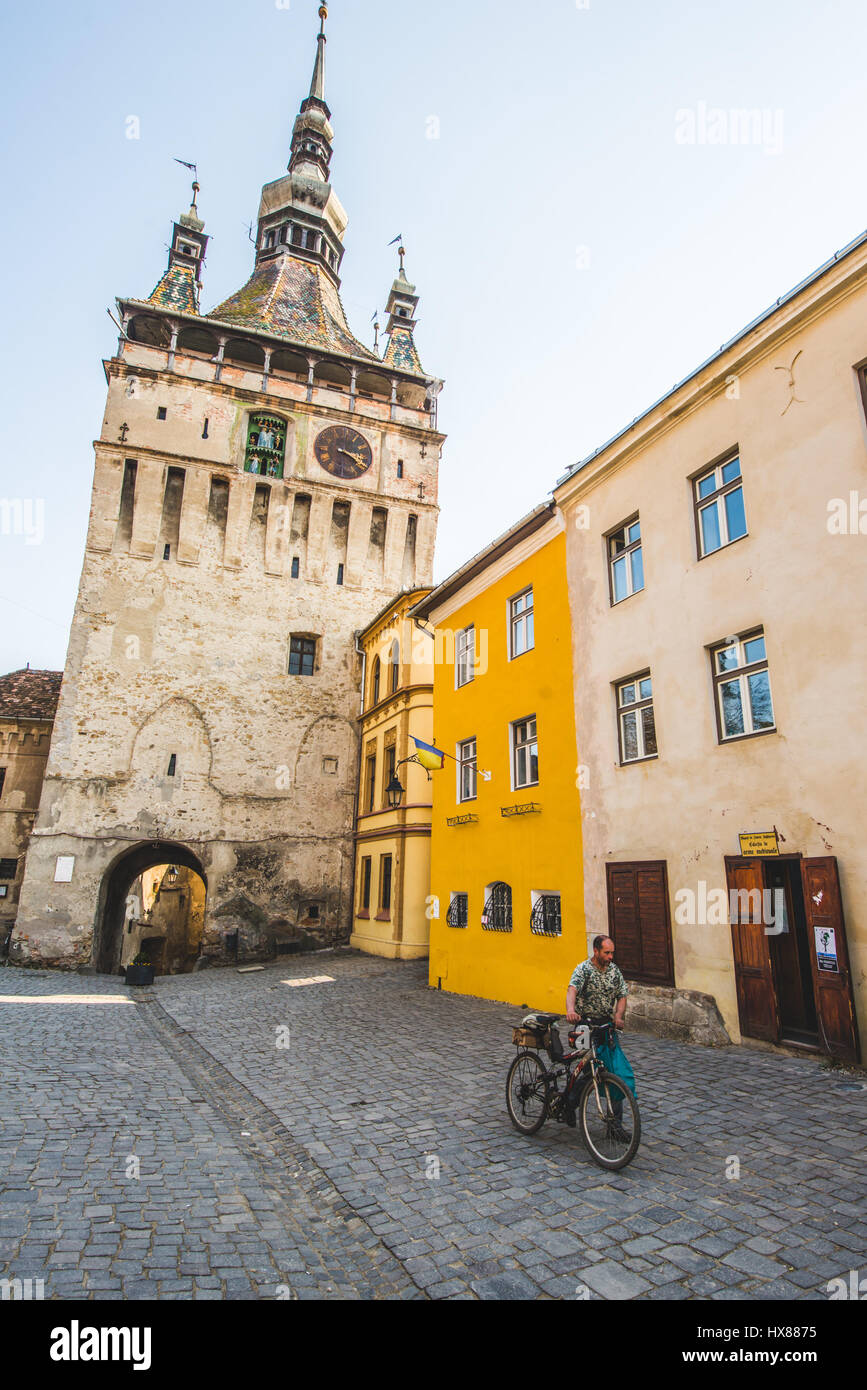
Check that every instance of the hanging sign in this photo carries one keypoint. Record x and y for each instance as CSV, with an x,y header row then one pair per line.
x,y
826,949
758,843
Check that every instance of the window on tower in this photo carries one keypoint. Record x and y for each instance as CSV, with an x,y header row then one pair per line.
x,y
266,446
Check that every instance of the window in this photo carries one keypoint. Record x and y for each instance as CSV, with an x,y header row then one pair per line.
x,y
400,468
394,662
719,507
458,910
625,563
371,782
545,917
390,763
465,652
497,915
173,765
521,636
302,656
8,868
340,574
296,566
635,719
467,770
525,753
377,673
2,779
385,883
161,412
743,687
167,551
266,445
365,884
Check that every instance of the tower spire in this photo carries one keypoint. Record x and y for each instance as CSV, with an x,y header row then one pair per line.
x,y
312,134
317,86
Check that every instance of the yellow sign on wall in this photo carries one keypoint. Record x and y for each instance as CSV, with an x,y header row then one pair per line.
x,y
758,843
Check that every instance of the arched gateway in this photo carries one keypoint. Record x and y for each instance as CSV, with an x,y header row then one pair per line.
x,y
115,890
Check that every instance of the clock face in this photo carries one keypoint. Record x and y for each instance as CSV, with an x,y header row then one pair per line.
x,y
343,452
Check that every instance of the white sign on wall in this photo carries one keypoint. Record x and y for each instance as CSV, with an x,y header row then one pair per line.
x,y
63,868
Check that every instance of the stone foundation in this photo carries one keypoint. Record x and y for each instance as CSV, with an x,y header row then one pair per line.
x,y
684,1014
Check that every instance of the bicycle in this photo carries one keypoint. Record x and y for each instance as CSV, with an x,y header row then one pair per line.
x,y
605,1108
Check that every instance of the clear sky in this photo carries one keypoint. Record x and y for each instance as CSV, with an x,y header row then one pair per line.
x,y
575,253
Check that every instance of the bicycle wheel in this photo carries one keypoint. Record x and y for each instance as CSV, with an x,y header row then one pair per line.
x,y
610,1122
527,1093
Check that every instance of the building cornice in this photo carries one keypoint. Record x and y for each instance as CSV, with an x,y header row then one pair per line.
x,y
491,567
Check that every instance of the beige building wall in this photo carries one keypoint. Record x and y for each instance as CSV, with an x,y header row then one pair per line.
x,y
786,396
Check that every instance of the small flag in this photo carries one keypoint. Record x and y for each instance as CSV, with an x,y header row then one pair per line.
x,y
429,757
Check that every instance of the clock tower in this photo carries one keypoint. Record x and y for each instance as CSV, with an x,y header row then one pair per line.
x,y
264,485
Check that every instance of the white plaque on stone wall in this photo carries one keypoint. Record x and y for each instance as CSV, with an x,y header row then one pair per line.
x,y
63,868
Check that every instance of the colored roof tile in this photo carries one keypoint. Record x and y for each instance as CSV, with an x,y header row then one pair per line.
x,y
29,694
295,300
401,352
177,289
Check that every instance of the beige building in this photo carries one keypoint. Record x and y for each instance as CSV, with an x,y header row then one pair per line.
x,y
28,701
393,832
264,483
717,567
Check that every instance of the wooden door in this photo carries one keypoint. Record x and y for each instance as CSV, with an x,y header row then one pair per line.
x,y
829,959
754,977
638,921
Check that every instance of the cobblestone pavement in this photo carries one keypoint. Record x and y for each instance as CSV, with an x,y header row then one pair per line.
x,y
348,1138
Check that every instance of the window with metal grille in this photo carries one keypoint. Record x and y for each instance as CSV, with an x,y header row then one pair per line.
x,y
458,910
497,915
302,656
8,868
545,918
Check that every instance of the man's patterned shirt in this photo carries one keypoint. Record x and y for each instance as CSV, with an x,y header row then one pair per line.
x,y
597,991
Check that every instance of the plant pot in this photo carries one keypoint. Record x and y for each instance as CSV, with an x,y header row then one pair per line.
x,y
140,974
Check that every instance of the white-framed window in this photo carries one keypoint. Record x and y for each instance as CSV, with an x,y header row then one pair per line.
x,y
467,770
465,656
636,725
742,686
625,561
719,507
545,919
525,753
521,625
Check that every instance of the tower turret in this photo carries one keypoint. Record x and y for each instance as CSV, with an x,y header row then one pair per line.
x,y
181,282
402,303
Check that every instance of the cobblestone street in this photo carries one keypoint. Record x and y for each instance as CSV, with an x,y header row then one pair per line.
x,y
243,1136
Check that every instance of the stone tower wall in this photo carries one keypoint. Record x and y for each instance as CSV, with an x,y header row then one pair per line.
x,y
187,656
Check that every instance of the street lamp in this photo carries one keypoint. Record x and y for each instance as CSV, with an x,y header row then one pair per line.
x,y
394,791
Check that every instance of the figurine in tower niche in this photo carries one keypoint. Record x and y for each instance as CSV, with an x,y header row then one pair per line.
x,y
253,465
266,438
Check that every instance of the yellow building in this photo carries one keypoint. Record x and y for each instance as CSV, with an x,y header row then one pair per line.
x,y
507,901
392,860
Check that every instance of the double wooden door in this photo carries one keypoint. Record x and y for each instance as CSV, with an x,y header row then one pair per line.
x,y
816,894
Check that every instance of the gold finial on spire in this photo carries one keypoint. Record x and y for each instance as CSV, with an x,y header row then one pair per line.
x,y
196,190
323,15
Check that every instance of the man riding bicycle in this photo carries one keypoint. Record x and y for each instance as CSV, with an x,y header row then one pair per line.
x,y
596,990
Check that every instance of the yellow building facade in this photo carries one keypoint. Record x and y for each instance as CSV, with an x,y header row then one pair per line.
x,y
506,886
392,859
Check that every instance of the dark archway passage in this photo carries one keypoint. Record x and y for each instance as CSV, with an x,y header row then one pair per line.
x,y
116,884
